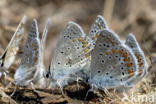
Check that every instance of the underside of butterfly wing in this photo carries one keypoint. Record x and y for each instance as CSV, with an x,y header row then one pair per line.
x,y
30,59
10,52
113,63
134,46
70,54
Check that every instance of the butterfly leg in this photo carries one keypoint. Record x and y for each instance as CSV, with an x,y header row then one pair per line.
x,y
77,81
13,91
32,86
61,88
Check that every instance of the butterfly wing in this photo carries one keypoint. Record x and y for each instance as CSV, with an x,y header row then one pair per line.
x,y
98,25
70,54
30,58
43,39
113,63
10,53
133,44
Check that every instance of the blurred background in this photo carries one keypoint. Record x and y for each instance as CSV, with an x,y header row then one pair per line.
x,y
122,16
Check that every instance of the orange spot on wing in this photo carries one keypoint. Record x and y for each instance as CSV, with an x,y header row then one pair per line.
x,y
97,35
84,41
99,26
74,40
130,72
126,59
129,65
34,45
93,38
22,24
86,50
124,55
140,71
114,51
140,64
17,35
120,51
87,56
80,39
107,53
84,45
35,59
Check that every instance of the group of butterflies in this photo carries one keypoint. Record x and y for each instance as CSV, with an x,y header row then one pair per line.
x,y
99,58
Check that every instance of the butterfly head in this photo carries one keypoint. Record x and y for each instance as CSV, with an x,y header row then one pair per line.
x,y
47,74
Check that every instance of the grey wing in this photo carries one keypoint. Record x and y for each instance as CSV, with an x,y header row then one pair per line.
x,y
133,44
112,64
43,40
30,59
31,54
98,25
70,53
13,45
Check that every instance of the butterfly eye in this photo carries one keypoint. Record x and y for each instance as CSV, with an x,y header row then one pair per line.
x,y
47,75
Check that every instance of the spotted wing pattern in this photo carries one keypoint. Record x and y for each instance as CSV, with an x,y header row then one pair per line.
x,y
9,54
133,44
113,63
70,54
30,59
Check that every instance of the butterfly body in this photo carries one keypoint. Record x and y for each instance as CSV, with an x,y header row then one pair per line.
x,y
32,66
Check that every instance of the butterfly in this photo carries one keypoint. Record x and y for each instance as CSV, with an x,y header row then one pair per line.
x,y
69,55
31,68
9,55
72,53
98,25
116,63
132,43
